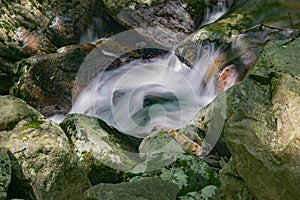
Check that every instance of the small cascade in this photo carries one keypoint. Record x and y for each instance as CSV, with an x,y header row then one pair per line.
x,y
143,94
215,10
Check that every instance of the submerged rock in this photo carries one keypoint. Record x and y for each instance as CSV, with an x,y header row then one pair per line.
x,y
142,189
46,81
258,120
43,158
104,152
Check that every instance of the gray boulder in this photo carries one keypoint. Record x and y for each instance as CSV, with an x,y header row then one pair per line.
x,y
142,189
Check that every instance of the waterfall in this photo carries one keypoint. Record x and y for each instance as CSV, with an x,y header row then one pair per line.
x,y
143,94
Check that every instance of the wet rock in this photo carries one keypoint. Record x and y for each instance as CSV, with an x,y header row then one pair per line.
x,y
258,120
46,82
5,173
47,162
30,28
239,36
145,188
104,152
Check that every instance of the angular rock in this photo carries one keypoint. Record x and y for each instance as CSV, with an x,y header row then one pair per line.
x,y
46,82
43,152
142,189
30,28
105,153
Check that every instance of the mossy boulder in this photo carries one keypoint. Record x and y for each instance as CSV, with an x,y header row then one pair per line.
x,y
105,153
260,126
30,28
142,189
46,81
40,148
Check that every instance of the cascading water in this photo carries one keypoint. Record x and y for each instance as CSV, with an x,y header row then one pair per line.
x,y
144,94
215,11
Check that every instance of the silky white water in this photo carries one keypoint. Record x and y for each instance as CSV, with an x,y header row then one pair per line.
x,y
144,94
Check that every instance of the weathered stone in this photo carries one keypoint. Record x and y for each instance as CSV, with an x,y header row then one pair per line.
x,y
46,82
14,110
5,173
30,28
260,126
105,153
42,150
141,189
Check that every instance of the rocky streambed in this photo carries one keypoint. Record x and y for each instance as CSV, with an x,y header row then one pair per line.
x,y
242,145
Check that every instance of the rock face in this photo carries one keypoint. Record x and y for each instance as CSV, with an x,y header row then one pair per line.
x,y
182,16
142,189
46,81
172,20
33,27
260,125
46,161
105,153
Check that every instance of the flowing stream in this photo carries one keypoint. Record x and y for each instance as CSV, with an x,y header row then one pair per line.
x,y
143,94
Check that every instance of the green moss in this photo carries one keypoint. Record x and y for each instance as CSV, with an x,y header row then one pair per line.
x,y
34,124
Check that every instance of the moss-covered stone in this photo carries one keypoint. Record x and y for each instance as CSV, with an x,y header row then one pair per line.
x,y
41,150
260,126
104,152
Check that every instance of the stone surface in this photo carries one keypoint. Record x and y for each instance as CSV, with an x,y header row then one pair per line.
x,y
30,28
46,81
165,158
47,161
171,20
105,153
142,189
5,173
260,126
